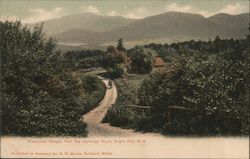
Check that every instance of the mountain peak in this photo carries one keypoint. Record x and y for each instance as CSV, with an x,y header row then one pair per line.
x,y
171,26
221,15
87,21
177,15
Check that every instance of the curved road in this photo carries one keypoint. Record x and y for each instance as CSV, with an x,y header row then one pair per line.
x,y
94,117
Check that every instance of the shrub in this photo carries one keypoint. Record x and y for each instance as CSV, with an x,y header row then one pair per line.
x,y
39,97
215,89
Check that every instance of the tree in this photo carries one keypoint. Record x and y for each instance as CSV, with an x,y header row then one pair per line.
x,y
39,98
83,58
217,43
119,70
215,89
208,91
120,46
142,60
114,61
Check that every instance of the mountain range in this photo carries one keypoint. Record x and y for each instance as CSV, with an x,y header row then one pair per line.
x,y
85,21
90,29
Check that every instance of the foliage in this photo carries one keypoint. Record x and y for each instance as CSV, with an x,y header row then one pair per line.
x,y
118,71
120,46
84,58
88,62
212,88
95,91
216,46
112,57
114,61
119,115
40,97
142,60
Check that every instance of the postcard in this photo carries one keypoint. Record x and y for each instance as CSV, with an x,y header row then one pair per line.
x,y
125,79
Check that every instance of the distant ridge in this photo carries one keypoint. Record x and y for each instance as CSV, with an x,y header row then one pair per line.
x,y
176,26
86,21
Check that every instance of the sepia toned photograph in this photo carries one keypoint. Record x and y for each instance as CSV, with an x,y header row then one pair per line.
x,y
125,78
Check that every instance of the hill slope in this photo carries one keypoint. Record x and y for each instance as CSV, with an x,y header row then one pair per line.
x,y
171,25
86,21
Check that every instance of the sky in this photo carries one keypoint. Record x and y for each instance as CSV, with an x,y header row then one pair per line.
x,y
31,11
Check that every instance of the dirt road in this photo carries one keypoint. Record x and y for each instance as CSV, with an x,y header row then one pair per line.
x,y
94,117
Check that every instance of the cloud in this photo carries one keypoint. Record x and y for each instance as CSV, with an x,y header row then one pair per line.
x,y
40,14
137,13
177,8
9,18
187,9
205,13
90,9
142,12
232,9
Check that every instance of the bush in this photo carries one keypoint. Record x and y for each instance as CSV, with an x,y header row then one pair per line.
x,y
39,97
216,89
212,90
95,91
142,60
84,58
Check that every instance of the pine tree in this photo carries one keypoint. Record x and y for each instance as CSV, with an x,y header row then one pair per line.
x,y
217,42
119,45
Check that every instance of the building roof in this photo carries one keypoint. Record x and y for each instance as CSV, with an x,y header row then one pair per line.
x,y
158,62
